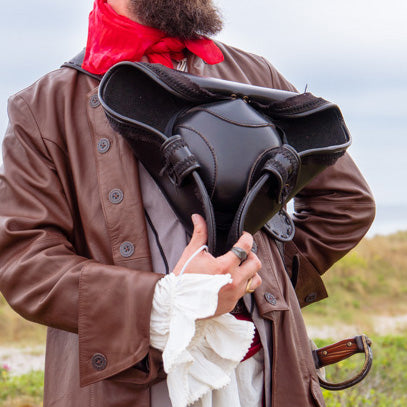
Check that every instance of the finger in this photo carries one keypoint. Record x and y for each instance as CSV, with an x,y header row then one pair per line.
x,y
249,268
256,282
198,239
200,233
251,285
245,242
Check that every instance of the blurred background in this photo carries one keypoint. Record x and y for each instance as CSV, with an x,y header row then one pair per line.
x,y
351,52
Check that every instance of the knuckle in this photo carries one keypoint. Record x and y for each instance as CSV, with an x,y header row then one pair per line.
x,y
257,263
220,265
245,242
197,232
224,266
223,270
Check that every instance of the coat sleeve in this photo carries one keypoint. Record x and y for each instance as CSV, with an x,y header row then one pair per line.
x,y
46,281
331,215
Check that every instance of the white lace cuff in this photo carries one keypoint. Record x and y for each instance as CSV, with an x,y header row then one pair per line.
x,y
199,354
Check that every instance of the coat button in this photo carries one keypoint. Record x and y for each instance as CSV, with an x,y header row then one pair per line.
x,y
270,298
99,361
103,145
310,298
116,196
126,249
94,101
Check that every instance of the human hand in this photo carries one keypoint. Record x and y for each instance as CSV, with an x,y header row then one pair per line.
x,y
229,263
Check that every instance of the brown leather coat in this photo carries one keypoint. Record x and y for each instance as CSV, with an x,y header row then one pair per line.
x,y
75,261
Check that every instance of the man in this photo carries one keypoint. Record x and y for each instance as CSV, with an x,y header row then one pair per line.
x,y
77,253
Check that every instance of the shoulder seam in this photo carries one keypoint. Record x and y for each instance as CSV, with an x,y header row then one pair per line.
x,y
269,69
48,156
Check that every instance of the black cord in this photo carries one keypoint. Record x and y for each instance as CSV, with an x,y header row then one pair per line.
x,y
157,239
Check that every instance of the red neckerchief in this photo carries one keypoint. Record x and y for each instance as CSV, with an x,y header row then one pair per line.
x,y
113,38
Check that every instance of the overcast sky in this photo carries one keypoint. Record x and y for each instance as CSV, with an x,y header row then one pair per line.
x,y
352,52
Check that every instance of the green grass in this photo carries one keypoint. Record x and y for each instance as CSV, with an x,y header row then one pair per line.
x,y
21,391
368,282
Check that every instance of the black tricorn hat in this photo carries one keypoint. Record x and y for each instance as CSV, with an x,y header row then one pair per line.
x,y
234,153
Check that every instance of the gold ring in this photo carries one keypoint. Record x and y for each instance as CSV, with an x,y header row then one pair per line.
x,y
248,289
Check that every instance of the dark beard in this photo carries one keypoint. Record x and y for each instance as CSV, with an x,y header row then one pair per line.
x,y
185,19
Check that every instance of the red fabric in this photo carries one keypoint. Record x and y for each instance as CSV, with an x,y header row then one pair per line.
x,y
113,38
256,344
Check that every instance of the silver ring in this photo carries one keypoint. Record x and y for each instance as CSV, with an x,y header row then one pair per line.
x,y
239,252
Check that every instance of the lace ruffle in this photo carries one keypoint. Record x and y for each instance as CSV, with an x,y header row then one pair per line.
x,y
199,352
